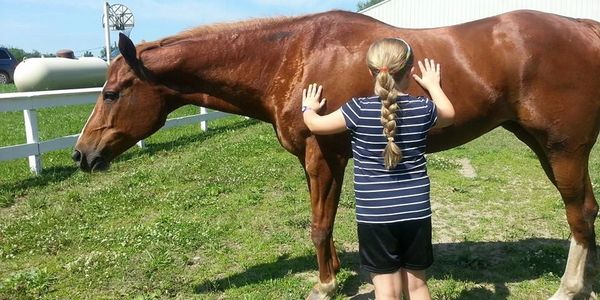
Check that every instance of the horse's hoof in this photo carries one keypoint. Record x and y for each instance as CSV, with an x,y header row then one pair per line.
x,y
316,295
323,291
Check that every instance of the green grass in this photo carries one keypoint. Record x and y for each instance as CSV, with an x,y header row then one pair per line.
x,y
7,88
225,215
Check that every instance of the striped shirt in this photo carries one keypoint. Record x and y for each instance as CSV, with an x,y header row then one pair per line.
x,y
402,193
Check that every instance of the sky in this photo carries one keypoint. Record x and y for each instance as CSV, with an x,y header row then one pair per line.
x,y
49,26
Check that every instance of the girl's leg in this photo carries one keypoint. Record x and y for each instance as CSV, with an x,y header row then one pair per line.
x,y
387,286
415,284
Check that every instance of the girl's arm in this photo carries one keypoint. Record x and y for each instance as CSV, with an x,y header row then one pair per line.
x,y
430,80
321,125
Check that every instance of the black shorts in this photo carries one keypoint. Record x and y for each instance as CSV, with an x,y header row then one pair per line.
x,y
385,248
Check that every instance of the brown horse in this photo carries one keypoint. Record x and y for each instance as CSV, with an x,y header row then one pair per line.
x,y
535,74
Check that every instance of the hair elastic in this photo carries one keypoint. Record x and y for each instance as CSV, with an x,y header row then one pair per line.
x,y
384,69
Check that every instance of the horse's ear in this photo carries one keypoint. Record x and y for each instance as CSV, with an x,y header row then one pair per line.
x,y
127,49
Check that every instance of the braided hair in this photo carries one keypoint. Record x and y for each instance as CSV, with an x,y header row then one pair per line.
x,y
389,60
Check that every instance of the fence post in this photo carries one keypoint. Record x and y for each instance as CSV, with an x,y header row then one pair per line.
x,y
203,123
33,137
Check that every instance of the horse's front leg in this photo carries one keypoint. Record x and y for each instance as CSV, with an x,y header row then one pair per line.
x,y
325,173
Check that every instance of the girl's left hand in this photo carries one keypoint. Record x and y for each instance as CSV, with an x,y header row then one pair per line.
x,y
430,74
310,97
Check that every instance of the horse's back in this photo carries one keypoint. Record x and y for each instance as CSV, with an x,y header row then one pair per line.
x,y
537,69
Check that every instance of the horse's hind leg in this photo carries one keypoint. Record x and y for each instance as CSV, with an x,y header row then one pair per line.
x,y
573,182
568,170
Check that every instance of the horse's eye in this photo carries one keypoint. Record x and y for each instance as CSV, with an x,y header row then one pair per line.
x,y
111,96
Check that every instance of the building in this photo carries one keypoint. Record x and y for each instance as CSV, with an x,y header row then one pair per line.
x,y
437,13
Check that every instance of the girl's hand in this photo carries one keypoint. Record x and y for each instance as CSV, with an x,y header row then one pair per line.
x,y
430,74
310,97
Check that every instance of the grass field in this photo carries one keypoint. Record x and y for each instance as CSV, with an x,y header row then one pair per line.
x,y
7,88
225,215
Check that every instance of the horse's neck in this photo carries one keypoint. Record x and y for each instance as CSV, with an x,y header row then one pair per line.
x,y
226,72
237,108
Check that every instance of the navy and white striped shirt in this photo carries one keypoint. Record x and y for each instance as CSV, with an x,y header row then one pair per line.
x,y
402,193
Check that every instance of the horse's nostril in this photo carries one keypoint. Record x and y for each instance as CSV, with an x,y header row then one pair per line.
x,y
76,156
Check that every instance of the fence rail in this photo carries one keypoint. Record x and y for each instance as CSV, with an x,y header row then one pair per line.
x,y
29,102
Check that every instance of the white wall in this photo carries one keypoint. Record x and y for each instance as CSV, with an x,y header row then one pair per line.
x,y
436,13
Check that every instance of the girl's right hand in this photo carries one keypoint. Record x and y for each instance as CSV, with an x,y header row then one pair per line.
x,y
430,74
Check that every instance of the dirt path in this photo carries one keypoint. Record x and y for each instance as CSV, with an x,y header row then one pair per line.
x,y
467,169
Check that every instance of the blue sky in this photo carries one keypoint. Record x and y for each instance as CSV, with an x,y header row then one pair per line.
x,y
48,26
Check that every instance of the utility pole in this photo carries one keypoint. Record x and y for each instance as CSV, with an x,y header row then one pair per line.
x,y
106,32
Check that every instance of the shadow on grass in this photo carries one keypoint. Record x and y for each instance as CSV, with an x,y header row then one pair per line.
x,y
201,136
491,263
11,192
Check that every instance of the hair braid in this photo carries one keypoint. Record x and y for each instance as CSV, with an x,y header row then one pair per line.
x,y
385,88
389,59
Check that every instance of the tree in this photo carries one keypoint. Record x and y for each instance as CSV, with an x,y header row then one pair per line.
x,y
20,54
88,54
366,3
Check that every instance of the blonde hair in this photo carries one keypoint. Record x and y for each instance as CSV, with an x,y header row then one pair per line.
x,y
389,59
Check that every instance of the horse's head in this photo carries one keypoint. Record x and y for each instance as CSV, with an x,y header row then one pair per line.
x,y
131,107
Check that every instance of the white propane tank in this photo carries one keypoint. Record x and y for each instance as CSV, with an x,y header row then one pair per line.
x,y
55,73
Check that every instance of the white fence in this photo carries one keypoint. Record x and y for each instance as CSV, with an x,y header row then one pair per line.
x,y
29,102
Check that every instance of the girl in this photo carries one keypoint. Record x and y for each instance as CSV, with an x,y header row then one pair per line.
x,y
391,185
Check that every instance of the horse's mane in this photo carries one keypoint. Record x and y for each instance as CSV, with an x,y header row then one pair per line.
x,y
239,26
225,27
244,25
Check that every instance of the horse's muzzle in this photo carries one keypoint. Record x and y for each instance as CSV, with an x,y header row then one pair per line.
x,y
92,163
